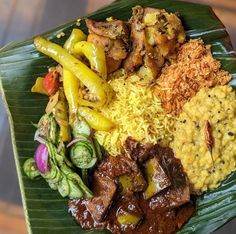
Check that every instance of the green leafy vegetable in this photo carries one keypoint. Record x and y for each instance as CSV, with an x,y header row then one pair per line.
x,y
76,178
30,169
80,127
83,154
48,129
63,187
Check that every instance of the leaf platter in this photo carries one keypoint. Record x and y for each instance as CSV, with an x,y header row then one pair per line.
x,y
20,64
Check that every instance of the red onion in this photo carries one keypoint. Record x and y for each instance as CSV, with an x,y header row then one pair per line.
x,y
80,138
41,158
38,138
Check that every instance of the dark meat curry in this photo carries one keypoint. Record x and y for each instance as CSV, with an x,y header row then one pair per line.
x,y
143,191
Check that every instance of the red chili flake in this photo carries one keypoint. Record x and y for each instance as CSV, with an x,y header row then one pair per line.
x,y
209,138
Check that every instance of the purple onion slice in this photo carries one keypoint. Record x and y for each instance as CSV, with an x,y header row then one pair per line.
x,y
41,158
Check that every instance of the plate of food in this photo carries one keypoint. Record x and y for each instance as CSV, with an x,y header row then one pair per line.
x,y
124,121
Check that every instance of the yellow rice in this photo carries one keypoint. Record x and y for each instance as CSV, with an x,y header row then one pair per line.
x,y
137,112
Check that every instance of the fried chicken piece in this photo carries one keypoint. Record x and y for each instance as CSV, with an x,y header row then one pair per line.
x,y
115,29
153,60
163,30
155,36
112,64
113,37
113,48
137,36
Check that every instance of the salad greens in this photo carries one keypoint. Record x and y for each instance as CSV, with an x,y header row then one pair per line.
x,y
59,165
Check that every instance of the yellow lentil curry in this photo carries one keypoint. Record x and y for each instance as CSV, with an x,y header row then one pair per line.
x,y
218,106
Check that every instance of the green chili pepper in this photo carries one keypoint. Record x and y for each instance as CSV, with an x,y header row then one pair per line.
x,y
95,119
95,54
75,36
100,88
70,83
30,169
60,114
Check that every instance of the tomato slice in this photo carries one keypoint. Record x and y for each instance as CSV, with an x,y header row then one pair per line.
x,y
51,82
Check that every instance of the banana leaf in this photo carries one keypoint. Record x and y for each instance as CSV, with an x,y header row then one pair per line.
x,y
20,64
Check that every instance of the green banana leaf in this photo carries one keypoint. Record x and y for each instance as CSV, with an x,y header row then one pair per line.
x,y
20,64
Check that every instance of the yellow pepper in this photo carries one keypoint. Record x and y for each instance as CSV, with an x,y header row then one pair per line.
x,y
75,36
95,54
60,113
154,172
95,119
128,219
90,79
70,82
71,89
132,182
38,86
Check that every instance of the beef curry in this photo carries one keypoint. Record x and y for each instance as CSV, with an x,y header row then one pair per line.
x,y
143,191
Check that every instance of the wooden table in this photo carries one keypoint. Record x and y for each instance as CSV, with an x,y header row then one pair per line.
x,y
12,220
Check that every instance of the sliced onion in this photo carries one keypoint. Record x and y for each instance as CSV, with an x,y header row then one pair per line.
x,y
52,103
38,138
41,158
80,138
